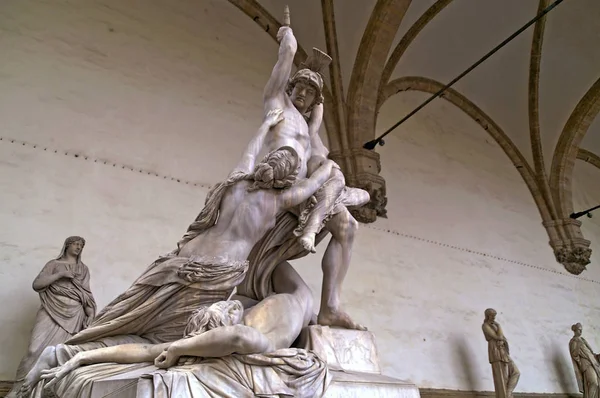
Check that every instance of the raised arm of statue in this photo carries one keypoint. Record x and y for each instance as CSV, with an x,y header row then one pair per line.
x,y
275,89
319,150
491,334
315,120
302,191
247,163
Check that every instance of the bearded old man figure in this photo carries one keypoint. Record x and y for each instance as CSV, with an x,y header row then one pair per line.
x,y
67,304
585,363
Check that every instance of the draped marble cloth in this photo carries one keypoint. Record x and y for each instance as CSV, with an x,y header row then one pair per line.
x,y
281,243
62,311
587,368
289,372
155,309
158,304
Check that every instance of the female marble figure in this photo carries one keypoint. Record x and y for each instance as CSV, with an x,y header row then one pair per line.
x,y
585,363
67,304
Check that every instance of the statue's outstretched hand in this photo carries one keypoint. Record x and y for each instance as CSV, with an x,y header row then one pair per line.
x,y
274,116
165,360
54,375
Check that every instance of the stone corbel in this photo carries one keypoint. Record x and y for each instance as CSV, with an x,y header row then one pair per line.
x,y
573,251
366,167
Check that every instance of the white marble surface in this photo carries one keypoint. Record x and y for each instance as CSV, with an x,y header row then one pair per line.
x,y
167,87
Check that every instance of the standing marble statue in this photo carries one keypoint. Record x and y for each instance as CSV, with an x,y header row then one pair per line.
x,y
505,372
67,304
299,230
585,363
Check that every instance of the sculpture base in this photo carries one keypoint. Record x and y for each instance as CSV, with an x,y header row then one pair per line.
x,y
343,384
354,385
351,358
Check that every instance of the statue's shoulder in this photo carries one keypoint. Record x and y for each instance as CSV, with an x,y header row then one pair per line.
x,y
52,264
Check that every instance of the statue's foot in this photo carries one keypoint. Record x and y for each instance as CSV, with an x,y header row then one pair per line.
x,y
45,361
25,389
338,318
54,375
12,394
308,242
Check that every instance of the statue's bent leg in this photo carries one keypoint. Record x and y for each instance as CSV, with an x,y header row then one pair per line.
x,y
336,262
500,374
590,378
312,219
287,280
513,378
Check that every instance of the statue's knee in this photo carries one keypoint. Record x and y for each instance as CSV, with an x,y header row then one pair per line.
x,y
351,223
348,224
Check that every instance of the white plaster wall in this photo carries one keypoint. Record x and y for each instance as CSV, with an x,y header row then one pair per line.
x,y
174,89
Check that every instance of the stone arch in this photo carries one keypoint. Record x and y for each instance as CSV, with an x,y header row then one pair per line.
x,y
408,38
567,149
368,67
426,85
589,157
575,254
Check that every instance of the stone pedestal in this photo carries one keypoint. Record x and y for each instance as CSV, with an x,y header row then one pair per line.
x,y
351,357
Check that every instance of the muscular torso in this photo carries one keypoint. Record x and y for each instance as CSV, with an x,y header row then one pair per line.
x,y
293,132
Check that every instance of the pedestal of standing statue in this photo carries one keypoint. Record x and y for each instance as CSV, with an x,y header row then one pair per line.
x,y
351,358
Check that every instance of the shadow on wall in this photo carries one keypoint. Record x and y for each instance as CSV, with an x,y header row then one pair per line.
x,y
562,366
464,364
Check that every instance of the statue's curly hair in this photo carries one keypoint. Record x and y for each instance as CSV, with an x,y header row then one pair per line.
x,y
209,317
279,170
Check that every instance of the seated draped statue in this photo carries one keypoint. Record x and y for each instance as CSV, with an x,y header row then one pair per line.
x,y
205,269
224,329
67,304
585,363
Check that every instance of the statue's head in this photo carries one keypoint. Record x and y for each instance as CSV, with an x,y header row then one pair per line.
x,y
305,88
490,315
221,313
577,329
277,170
73,246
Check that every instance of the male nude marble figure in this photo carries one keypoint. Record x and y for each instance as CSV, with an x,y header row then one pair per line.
x,y
297,96
205,269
